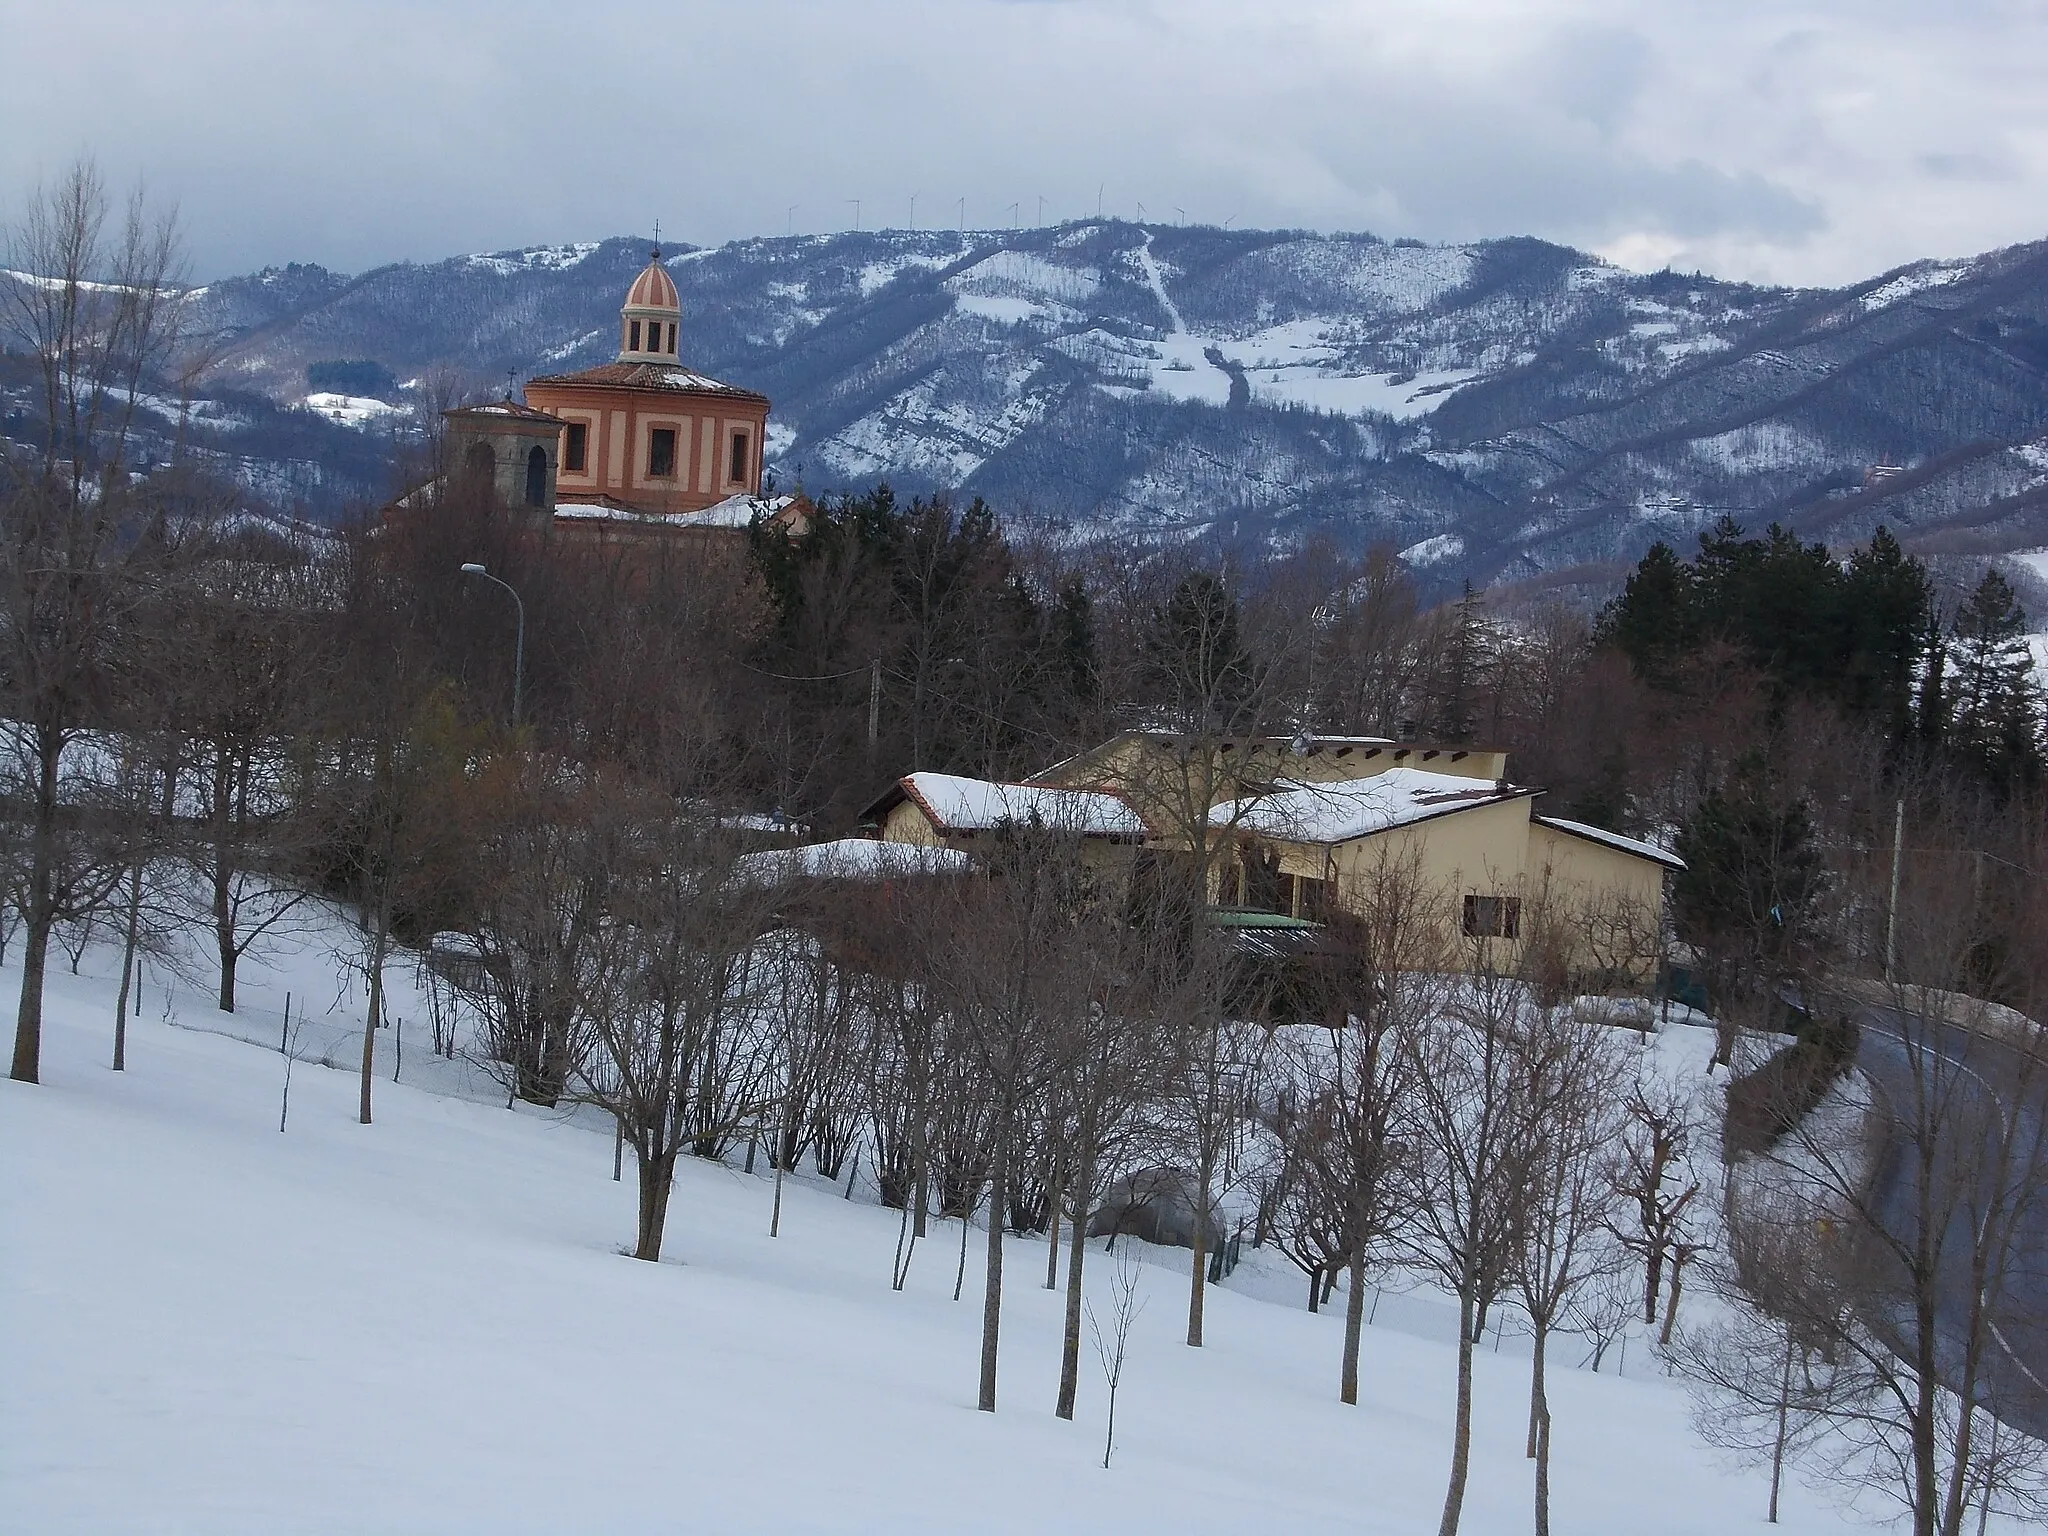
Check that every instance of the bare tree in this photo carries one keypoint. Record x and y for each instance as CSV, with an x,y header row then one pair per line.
x,y
1656,1177
1012,972
1472,1134
1112,1338
667,980
97,312
1572,1083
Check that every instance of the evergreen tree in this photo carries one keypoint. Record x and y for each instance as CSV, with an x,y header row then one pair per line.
x,y
1887,606
1454,717
1994,713
1654,623
1752,876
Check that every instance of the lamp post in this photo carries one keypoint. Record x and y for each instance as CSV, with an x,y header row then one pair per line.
x,y
519,643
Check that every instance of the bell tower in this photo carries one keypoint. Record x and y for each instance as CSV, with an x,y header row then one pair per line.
x,y
651,320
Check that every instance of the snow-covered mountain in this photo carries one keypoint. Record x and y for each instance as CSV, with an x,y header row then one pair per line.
x,y
1498,410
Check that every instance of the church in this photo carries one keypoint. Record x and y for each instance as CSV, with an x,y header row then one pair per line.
x,y
641,448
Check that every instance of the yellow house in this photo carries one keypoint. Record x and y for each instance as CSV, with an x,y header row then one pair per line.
x,y
1304,827
1504,872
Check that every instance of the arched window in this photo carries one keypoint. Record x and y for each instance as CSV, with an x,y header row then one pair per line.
x,y
671,338
480,461
537,477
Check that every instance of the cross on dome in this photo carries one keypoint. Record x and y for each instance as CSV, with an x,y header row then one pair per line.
x,y
650,321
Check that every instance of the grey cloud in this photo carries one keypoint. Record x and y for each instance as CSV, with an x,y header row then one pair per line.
x,y
378,130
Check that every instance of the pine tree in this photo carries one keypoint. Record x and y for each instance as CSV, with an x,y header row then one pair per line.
x,y
1455,716
1653,623
1994,722
1887,606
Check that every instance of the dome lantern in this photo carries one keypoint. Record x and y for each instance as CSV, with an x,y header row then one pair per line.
x,y
650,321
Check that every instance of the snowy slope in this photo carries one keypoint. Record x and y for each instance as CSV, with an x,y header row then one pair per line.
x,y
425,1325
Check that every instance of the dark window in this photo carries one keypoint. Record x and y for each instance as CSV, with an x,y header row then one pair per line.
x,y
1493,917
661,452
576,448
536,477
739,456
480,461
633,337
671,338
1311,898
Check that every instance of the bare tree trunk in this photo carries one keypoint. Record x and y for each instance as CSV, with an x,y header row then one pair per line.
x,y
1784,1415
992,1291
223,879
1052,1236
1070,1337
657,1178
1354,1329
1671,1306
1461,1432
379,941
1539,1400
28,1022
1199,1275
37,921
129,942
1543,1475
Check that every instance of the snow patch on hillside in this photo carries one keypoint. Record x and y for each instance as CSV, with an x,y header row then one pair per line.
x,y
877,275
536,258
1021,274
352,410
1761,445
932,434
1445,546
1914,280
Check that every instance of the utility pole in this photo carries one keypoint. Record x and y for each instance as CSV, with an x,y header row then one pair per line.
x,y
1891,916
913,211
856,211
789,219
963,215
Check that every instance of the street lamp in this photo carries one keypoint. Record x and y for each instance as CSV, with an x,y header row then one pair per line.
x,y
519,643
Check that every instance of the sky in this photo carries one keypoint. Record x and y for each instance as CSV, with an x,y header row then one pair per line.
x,y
1785,141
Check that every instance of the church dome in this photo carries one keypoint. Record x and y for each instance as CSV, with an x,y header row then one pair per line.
x,y
650,321
653,288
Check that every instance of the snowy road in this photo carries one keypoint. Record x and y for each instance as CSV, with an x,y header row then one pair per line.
x,y
1987,1070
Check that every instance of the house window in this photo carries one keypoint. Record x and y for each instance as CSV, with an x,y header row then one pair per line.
x,y
1493,917
671,338
576,448
661,453
633,336
738,472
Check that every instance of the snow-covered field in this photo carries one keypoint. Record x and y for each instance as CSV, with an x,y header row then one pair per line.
x,y
426,1325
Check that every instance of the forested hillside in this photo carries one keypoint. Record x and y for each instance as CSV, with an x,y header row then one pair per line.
x,y
1500,410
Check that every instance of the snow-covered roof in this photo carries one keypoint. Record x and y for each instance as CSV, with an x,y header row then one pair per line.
x,y
1349,808
737,511
851,858
957,804
1636,846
